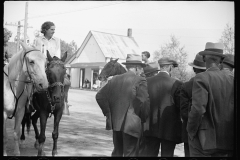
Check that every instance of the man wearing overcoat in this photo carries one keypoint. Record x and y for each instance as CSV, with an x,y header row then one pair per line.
x,y
210,124
164,123
124,101
186,99
227,65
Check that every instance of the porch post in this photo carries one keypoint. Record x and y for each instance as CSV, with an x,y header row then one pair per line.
x,y
80,79
91,78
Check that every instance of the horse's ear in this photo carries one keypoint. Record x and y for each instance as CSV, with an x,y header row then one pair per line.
x,y
111,59
24,45
49,56
116,60
64,57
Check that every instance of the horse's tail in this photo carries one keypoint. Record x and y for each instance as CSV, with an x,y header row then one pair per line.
x,y
28,122
27,115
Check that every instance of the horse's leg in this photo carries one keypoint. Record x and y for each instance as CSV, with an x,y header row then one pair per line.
x,y
34,118
42,137
4,134
28,122
18,120
22,138
57,118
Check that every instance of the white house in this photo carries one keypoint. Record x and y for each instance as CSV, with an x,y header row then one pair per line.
x,y
95,51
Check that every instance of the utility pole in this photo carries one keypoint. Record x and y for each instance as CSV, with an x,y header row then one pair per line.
x,y
19,27
25,22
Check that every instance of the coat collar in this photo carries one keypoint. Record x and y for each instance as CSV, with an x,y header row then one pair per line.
x,y
164,72
213,69
53,38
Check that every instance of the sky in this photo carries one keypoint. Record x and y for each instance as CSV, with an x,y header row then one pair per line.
x,y
193,23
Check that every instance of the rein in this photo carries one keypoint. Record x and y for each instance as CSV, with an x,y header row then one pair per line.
x,y
31,81
60,84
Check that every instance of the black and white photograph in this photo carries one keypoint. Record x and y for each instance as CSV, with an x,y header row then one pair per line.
x,y
119,79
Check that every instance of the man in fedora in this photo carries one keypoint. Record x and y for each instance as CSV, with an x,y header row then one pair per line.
x,y
163,127
210,123
227,65
151,69
186,98
124,101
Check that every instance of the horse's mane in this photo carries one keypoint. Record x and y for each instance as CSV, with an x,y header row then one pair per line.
x,y
14,66
55,58
121,69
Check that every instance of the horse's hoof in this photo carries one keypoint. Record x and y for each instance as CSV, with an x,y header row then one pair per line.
x,y
54,153
22,142
16,153
41,154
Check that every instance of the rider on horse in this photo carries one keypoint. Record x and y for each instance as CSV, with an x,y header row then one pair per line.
x,y
48,42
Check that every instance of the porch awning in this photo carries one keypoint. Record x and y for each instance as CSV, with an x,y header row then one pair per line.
x,y
87,65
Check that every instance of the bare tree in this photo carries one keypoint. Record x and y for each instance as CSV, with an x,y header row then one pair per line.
x,y
70,48
228,39
174,51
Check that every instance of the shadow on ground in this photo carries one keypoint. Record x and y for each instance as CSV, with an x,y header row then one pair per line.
x,y
80,134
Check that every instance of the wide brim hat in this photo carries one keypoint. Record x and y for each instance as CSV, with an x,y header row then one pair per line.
x,y
134,59
198,62
215,49
166,60
229,60
151,67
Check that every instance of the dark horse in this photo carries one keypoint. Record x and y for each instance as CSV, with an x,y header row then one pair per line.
x,y
50,101
112,68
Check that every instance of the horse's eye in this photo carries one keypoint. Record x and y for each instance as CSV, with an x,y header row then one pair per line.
x,y
31,62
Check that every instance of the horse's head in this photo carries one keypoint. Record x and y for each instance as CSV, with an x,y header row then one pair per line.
x,y
55,74
110,69
33,62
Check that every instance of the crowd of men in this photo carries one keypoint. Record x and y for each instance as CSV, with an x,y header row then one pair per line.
x,y
151,113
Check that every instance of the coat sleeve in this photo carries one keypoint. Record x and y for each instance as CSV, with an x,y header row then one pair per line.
x,y
176,93
102,99
184,102
199,103
142,99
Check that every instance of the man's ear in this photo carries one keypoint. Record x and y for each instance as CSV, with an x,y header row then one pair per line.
x,y
204,59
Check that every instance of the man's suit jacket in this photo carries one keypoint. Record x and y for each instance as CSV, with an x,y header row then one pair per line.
x,y
185,106
211,118
164,119
124,100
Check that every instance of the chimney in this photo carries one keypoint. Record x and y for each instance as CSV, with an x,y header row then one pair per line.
x,y
129,34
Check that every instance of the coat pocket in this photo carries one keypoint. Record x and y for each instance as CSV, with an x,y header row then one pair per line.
x,y
132,124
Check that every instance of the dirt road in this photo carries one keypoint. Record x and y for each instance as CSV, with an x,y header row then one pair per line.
x,y
80,134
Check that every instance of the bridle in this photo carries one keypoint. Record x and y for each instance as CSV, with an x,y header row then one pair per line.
x,y
60,84
30,81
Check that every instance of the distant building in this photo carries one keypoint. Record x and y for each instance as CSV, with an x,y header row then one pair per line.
x,y
95,51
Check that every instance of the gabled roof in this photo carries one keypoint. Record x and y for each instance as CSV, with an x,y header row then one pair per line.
x,y
71,58
115,46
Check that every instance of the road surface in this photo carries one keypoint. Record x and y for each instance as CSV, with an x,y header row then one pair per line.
x,y
82,133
